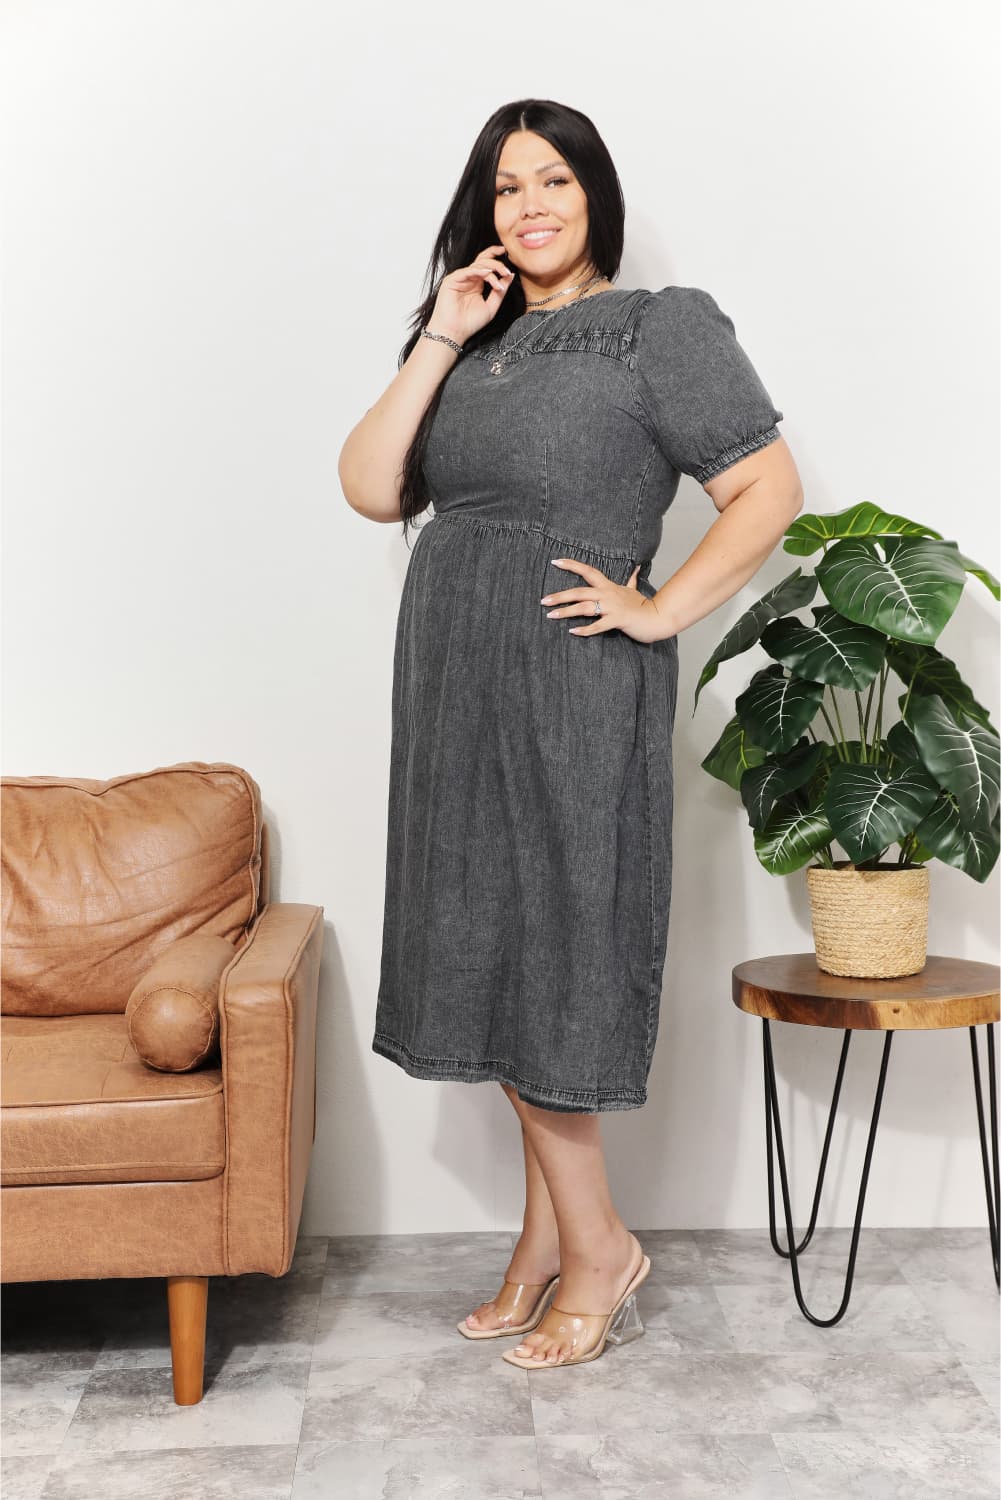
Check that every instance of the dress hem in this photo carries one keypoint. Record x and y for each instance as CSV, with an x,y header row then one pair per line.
x,y
493,1070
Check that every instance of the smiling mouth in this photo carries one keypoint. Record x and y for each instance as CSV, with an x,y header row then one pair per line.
x,y
538,236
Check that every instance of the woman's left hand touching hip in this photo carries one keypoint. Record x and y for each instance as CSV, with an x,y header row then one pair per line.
x,y
621,606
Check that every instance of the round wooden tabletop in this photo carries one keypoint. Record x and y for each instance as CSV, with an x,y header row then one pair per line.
x,y
793,987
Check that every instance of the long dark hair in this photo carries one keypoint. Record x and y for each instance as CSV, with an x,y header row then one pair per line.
x,y
468,226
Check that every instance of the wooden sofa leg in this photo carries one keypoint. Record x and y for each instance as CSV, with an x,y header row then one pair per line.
x,y
187,1302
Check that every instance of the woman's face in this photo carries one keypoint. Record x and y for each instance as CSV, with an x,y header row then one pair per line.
x,y
537,191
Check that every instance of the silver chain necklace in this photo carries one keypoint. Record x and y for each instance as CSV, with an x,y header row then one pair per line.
x,y
497,365
577,286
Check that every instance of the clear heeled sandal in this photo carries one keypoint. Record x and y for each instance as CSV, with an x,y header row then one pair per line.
x,y
523,1311
589,1332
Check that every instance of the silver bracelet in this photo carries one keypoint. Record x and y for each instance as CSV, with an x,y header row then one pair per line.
x,y
442,338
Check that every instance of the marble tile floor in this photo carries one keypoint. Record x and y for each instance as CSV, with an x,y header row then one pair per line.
x,y
346,1380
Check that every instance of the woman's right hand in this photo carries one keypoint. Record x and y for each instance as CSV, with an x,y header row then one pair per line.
x,y
460,309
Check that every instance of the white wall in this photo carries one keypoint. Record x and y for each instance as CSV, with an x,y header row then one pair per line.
x,y
218,216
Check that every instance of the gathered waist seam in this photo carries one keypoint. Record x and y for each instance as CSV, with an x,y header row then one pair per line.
x,y
537,528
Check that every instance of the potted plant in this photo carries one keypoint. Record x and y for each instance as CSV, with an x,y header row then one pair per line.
x,y
927,783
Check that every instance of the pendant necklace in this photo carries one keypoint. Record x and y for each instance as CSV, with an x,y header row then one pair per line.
x,y
497,365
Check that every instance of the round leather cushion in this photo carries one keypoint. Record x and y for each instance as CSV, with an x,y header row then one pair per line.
x,y
173,1012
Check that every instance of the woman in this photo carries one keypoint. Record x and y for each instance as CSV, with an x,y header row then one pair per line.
x,y
547,415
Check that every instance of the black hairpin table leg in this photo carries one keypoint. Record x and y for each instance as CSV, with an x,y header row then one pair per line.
x,y
992,1181
990,1163
772,1111
944,994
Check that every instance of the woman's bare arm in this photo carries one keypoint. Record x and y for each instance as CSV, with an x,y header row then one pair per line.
x,y
757,499
371,460
370,466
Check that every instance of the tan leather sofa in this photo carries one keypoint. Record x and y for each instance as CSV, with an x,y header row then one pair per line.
x,y
158,1085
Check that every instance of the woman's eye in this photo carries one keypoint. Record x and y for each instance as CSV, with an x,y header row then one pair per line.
x,y
501,192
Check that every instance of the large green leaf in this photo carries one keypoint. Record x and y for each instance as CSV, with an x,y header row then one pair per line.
x,y
732,754
869,807
775,709
790,837
792,592
910,595
762,786
978,571
808,533
901,742
961,756
925,670
972,850
832,650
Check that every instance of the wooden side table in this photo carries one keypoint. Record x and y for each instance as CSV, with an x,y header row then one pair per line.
x,y
947,992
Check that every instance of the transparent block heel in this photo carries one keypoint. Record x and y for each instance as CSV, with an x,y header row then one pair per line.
x,y
586,1334
627,1323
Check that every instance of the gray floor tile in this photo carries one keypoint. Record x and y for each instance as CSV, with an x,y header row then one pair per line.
x,y
257,1472
658,1465
393,1324
419,1468
889,1466
901,1392
647,1385
687,1319
449,1394
985,1376
23,1475
967,1318
135,1408
879,1316
961,1256
37,1410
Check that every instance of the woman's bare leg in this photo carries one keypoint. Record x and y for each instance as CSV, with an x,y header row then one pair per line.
x,y
598,1253
536,1256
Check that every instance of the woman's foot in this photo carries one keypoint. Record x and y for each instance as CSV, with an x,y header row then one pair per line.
x,y
536,1260
589,1284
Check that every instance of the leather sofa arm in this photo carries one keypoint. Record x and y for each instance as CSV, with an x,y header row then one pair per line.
x,y
267,1038
173,1011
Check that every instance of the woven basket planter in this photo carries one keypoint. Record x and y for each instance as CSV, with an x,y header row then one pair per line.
x,y
871,924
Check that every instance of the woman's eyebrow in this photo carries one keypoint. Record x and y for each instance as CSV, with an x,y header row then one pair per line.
x,y
502,172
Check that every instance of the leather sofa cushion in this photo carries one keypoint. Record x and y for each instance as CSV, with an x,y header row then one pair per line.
x,y
173,1012
100,877
79,1106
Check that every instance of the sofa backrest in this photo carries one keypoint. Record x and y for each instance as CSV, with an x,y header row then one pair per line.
x,y
99,877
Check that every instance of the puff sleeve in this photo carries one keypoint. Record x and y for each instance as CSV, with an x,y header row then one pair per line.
x,y
695,386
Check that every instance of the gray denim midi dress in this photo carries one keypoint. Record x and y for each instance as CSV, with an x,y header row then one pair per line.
x,y
528,864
